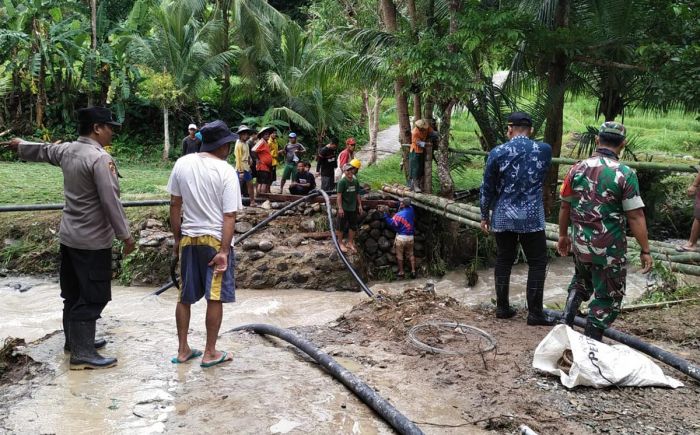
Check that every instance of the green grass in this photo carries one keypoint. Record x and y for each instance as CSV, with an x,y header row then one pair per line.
x,y
40,183
388,171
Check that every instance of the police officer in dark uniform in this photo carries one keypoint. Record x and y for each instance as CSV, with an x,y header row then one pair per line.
x,y
92,217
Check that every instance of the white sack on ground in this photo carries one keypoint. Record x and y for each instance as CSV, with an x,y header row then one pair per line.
x,y
597,364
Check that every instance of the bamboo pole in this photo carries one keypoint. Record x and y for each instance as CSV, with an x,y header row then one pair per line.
x,y
552,230
677,262
657,305
674,167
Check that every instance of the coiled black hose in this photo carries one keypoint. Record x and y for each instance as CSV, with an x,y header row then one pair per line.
x,y
314,193
666,357
366,393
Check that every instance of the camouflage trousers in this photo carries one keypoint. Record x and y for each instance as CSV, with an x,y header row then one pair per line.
x,y
607,286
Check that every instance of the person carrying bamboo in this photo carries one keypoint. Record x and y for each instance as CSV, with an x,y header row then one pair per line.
x,y
598,195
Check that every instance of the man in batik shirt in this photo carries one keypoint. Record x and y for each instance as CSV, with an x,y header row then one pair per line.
x,y
598,195
512,207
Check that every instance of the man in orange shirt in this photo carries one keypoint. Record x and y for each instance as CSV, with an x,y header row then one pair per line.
x,y
264,163
416,157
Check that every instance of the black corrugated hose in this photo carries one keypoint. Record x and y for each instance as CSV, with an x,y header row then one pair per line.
x,y
363,391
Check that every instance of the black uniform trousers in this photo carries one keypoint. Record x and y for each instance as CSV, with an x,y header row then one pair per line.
x,y
86,282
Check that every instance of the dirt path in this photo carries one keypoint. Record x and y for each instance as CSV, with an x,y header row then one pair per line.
x,y
387,145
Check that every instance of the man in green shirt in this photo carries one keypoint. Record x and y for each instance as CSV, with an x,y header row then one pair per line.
x,y
349,206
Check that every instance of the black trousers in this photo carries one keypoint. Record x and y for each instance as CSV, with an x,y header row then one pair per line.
x,y
86,282
535,248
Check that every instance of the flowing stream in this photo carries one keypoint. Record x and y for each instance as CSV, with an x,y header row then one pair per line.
x,y
268,388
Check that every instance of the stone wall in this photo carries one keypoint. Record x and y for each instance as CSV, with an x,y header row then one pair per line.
x,y
376,242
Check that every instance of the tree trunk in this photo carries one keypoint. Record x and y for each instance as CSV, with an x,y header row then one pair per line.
x,y
364,110
412,13
447,187
428,108
93,51
428,168
417,104
166,134
374,125
556,86
41,81
225,103
42,99
390,22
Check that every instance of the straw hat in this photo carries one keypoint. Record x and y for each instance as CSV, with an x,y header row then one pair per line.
x,y
422,124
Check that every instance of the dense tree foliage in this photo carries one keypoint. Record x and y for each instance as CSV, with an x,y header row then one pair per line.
x,y
323,67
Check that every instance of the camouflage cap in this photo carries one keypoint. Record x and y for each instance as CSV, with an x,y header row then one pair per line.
x,y
612,127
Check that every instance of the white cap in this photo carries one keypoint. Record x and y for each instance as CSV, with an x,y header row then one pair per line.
x,y
192,126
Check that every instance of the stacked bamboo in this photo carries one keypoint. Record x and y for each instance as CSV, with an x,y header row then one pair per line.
x,y
686,262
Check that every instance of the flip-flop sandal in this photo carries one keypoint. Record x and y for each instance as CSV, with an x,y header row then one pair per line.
x,y
195,354
223,359
686,249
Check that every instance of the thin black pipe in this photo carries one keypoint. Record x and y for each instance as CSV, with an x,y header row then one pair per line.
x,y
337,246
314,193
42,207
45,207
250,232
366,393
666,357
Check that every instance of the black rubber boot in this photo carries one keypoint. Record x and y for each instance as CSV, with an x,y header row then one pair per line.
x,y
503,308
99,342
573,302
593,332
84,355
535,315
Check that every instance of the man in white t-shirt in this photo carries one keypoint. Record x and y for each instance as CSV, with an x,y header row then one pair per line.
x,y
205,196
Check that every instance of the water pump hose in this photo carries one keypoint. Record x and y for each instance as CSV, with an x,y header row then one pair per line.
x,y
363,391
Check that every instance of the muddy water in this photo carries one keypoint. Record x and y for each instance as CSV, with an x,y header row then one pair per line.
x,y
559,273
268,388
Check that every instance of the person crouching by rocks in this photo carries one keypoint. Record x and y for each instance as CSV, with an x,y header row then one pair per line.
x,y
92,217
349,207
204,199
264,164
598,195
303,181
403,224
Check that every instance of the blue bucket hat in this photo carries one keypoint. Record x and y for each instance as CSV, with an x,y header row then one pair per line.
x,y
215,135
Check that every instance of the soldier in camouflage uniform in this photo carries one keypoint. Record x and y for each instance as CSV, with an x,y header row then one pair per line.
x,y
598,195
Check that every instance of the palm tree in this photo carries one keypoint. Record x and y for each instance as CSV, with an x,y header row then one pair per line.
x,y
179,46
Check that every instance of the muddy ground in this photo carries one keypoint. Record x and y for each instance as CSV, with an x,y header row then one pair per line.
x,y
499,390
271,388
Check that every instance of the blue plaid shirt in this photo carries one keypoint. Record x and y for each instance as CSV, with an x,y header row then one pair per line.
x,y
512,186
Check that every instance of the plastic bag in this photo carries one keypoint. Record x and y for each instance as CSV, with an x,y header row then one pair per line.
x,y
595,364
